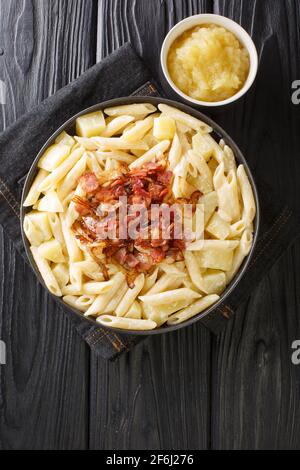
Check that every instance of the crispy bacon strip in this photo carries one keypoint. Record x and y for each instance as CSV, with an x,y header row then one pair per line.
x,y
100,264
89,182
150,184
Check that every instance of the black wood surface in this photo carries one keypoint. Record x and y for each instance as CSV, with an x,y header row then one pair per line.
x,y
44,392
149,392
255,386
186,390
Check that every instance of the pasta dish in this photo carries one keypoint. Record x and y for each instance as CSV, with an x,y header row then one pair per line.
x,y
140,219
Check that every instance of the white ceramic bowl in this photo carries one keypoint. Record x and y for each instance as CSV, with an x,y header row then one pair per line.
x,y
228,24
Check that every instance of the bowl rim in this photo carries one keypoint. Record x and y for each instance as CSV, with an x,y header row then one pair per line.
x,y
229,24
219,131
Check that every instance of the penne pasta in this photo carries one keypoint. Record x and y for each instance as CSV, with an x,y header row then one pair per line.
x,y
182,168
71,301
76,278
118,155
98,306
81,303
46,272
184,142
218,227
41,223
56,229
136,110
61,273
167,166
71,289
237,229
34,192
214,281
71,214
170,296
93,163
161,313
52,180
126,323
96,288
175,152
135,311
182,128
240,254
52,251
90,269
229,158
247,195
110,143
158,149
50,203
176,187
174,269
215,258
65,139
116,125
202,146
156,314
71,179
184,118
54,156
204,176
203,245
74,252
213,165
112,305
91,124
164,128
210,203
149,281
130,296
165,282
228,194
138,130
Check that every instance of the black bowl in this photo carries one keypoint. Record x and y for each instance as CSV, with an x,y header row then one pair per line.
x,y
69,127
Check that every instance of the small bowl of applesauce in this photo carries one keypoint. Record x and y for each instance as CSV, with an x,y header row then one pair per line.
x,y
209,60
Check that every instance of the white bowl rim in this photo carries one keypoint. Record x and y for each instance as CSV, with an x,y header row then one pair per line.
x,y
233,27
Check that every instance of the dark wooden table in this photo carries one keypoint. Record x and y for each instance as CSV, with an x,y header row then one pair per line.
x,y
187,390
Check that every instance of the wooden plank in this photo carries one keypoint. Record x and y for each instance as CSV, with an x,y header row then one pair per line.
x,y
255,386
158,395
155,397
144,23
46,45
44,386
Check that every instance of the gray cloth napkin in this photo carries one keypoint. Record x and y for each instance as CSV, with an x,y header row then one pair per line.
x,y
120,74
